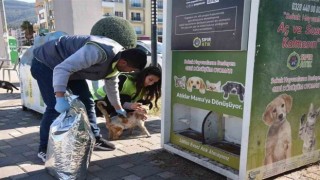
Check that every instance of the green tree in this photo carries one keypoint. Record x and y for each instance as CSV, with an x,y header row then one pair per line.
x,y
28,29
116,28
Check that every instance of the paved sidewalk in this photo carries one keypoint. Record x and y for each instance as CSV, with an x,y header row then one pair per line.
x,y
136,157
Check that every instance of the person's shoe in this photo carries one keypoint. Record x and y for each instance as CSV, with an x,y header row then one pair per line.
x,y
102,144
42,154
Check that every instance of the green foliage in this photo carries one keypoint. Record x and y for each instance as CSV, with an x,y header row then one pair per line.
x,y
116,28
28,29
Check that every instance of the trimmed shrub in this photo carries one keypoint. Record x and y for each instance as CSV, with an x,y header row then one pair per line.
x,y
116,28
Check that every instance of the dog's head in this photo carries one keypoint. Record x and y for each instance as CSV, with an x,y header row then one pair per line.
x,y
139,114
277,109
233,88
196,83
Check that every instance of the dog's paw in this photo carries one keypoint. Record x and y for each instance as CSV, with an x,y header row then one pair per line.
x,y
148,136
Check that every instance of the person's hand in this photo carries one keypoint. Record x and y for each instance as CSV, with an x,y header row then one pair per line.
x,y
122,112
62,104
135,106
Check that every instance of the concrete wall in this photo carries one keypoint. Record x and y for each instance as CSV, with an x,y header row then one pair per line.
x,y
76,17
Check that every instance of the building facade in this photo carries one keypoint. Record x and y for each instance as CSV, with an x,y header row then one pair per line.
x,y
45,14
71,16
138,12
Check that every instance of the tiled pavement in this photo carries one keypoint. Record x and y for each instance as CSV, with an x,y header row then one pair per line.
x,y
136,157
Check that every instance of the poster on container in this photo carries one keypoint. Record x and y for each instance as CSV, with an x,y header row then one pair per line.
x,y
207,103
285,113
207,25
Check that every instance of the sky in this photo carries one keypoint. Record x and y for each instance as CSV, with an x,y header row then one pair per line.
x,y
29,1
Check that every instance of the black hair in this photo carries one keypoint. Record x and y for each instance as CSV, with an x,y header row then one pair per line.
x,y
152,92
135,58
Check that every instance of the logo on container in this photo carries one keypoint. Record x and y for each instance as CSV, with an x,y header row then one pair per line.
x,y
296,60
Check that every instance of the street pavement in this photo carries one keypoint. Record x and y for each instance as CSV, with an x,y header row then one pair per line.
x,y
136,157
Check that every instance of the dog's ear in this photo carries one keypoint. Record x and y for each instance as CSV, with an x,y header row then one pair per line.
x,y
311,108
242,89
288,100
189,85
267,115
318,111
183,78
202,84
226,87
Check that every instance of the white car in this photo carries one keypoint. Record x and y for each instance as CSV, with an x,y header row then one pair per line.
x,y
145,45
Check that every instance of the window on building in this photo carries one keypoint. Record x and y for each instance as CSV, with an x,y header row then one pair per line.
x,y
118,13
135,3
160,18
159,30
135,16
138,29
160,4
41,16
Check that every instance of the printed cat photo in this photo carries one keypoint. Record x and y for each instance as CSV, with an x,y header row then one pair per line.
x,y
307,129
180,82
214,87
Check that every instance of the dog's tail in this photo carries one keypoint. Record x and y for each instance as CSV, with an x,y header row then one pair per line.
x,y
101,105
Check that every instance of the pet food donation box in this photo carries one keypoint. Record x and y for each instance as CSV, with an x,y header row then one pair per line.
x,y
241,84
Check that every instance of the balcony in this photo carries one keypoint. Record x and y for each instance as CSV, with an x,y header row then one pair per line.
x,y
136,5
116,1
137,19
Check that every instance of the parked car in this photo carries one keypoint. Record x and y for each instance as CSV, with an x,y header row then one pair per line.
x,y
145,45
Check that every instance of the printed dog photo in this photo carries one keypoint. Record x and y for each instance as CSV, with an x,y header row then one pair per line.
x,y
196,83
234,88
180,82
117,124
307,129
279,139
214,87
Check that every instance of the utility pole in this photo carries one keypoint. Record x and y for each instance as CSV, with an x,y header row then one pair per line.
x,y
154,39
3,32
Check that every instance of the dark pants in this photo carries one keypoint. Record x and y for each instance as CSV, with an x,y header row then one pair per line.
x,y
43,75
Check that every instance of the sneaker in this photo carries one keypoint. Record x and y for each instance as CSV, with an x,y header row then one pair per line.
x,y
102,144
42,154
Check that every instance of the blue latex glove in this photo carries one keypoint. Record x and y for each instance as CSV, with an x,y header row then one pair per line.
x,y
62,104
122,112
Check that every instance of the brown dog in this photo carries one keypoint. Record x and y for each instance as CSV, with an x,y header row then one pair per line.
x,y
117,124
279,140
